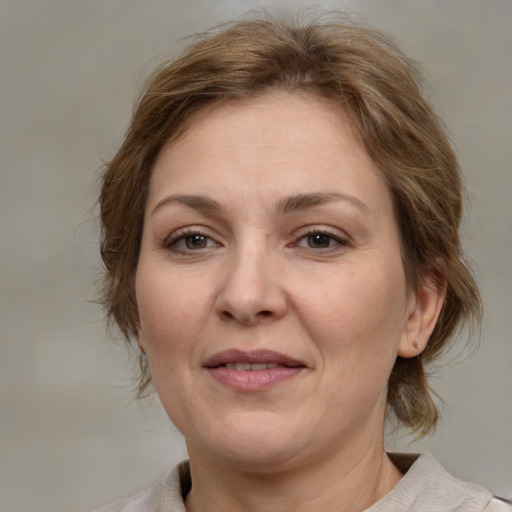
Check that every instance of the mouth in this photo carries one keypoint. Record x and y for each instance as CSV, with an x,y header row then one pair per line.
x,y
255,370
254,360
255,367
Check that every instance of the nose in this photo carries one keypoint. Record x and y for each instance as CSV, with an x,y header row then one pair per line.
x,y
251,290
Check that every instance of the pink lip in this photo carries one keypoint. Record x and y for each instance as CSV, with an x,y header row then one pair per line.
x,y
252,380
251,356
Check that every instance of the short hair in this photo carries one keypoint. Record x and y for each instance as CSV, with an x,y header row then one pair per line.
x,y
380,89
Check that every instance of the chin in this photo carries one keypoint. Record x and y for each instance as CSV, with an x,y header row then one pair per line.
x,y
253,444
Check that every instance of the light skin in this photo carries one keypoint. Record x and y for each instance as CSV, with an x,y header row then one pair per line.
x,y
268,228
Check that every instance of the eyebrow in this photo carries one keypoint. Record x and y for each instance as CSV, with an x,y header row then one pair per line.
x,y
285,206
304,201
201,203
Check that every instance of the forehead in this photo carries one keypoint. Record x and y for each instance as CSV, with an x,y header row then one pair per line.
x,y
279,142
289,117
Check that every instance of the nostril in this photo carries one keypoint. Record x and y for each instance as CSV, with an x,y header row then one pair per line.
x,y
265,313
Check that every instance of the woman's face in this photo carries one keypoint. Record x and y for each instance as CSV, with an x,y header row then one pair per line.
x,y
270,285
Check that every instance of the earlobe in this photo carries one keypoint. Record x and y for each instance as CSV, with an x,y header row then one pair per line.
x,y
424,310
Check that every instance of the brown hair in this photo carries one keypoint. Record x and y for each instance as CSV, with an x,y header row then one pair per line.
x,y
379,88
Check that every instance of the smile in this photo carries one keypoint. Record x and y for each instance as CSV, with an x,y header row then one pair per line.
x,y
256,367
251,371
244,360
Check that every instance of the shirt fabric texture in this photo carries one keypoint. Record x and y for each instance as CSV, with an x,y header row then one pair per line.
x,y
425,486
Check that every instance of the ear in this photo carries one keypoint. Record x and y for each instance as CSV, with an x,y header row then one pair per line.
x,y
424,308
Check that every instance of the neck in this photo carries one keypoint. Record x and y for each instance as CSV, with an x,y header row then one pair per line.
x,y
350,482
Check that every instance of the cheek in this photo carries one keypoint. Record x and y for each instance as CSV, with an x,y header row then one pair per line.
x,y
169,290
357,330
165,319
171,311
357,318
357,302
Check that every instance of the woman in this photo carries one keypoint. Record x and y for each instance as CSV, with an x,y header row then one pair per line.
x,y
280,236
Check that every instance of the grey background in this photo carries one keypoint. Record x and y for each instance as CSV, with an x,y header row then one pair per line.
x,y
71,438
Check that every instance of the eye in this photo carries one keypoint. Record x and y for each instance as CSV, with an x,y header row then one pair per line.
x,y
190,241
319,239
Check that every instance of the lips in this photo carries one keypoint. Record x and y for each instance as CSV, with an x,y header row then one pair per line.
x,y
252,357
252,370
255,367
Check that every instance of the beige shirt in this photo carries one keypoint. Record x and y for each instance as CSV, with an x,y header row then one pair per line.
x,y
425,486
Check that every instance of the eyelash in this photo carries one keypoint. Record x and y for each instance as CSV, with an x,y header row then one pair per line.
x,y
188,233
339,241
184,234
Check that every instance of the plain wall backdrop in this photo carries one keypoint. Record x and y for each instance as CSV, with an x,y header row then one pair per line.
x,y
71,438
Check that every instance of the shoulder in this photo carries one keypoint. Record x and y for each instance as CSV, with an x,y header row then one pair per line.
x,y
167,495
133,504
426,485
499,505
